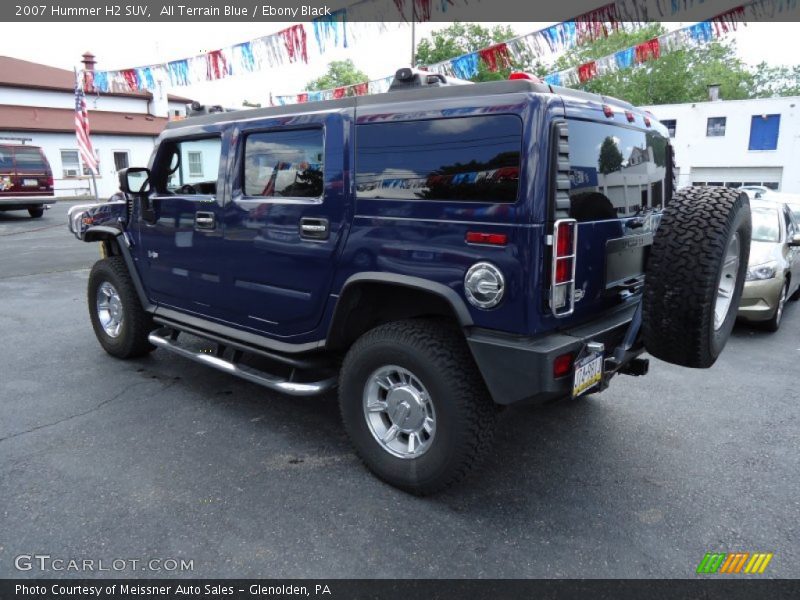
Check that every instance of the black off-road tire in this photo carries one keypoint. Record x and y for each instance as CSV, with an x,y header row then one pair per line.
x,y
437,354
683,274
36,212
136,323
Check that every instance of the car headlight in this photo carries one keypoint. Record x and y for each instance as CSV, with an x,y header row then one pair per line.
x,y
767,270
484,285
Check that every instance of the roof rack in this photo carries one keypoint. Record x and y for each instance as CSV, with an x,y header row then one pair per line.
x,y
12,138
196,109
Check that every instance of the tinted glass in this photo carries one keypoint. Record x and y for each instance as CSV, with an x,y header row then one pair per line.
x,y
6,159
29,159
614,171
284,164
469,159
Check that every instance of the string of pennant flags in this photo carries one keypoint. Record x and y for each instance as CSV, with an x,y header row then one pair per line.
x,y
299,42
569,34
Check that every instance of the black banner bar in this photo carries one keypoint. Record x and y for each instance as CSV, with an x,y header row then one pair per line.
x,y
387,589
229,11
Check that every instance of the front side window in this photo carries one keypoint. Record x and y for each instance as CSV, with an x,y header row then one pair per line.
x,y
715,127
187,166
465,159
614,171
284,164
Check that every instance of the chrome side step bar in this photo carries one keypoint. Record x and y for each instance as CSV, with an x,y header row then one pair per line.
x,y
163,338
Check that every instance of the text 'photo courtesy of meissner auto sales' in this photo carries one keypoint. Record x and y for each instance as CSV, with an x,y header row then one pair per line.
x,y
371,298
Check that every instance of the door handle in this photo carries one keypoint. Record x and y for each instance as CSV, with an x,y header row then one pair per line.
x,y
204,220
314,229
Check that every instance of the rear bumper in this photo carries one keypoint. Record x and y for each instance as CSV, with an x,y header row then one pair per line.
x,y
12,202
520,369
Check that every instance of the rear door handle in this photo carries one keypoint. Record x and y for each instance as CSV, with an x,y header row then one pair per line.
x,y
204,220
314,228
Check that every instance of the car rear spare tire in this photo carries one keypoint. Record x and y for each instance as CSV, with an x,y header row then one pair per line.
x,y
695,275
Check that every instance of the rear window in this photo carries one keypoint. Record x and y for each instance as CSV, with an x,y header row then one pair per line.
x,y
465,159
29,159
614,171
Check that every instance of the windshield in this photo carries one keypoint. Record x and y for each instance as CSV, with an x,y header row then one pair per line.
x,y
765,225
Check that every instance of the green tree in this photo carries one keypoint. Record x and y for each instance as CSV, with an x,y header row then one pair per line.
x,y
462,38
610,157
679,76
340,73
776,81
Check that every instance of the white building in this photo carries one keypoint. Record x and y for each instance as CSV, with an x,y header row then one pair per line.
x,y
37,102
736,142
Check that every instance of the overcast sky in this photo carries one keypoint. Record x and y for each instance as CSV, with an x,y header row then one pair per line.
x,y
123,45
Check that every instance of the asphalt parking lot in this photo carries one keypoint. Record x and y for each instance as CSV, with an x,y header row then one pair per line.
x,y
163,458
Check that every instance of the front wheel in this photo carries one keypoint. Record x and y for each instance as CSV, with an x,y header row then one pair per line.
x,y
415,406
119,321
775,322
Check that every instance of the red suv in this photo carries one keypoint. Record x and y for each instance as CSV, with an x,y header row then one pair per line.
x,y
26,180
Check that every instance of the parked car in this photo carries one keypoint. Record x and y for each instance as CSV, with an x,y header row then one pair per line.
x,y
423,250
773,273
26,180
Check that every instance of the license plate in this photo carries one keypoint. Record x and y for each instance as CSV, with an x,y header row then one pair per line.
x,y
30,182
588,373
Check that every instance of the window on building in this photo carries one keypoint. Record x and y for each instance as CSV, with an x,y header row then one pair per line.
x,y
121,160
733,184
716,126
764,132
284,164
70,164
461,159
195,163
773,185
670,124
715,183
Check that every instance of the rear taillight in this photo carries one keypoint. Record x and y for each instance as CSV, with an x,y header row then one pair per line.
x,y
562,282
50,181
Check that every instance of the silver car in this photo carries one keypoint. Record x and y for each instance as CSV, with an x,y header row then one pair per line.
x,y
773,273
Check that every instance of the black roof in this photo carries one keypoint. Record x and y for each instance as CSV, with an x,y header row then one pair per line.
x,y
423,93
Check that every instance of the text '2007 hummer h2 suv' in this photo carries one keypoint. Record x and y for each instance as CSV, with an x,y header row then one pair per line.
x,y
435,251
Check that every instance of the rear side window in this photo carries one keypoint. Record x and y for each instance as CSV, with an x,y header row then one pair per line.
x,y
465,159
284,164
29,159
614,171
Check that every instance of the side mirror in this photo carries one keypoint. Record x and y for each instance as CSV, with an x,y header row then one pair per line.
x,y
134,180
795,241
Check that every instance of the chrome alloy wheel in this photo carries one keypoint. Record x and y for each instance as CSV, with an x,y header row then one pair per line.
x,y
399,412
109,309
727,281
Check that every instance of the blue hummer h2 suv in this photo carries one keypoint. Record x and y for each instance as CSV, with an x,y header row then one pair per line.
x,y
436,252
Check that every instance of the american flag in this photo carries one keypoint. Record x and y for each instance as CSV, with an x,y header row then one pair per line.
x,y
82,127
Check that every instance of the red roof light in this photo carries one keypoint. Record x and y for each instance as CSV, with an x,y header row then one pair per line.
x,y
522,75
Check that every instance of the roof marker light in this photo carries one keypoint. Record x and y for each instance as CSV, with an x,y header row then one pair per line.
x,y
608,111
629,116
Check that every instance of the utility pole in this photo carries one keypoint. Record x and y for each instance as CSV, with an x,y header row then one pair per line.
x,y
413,33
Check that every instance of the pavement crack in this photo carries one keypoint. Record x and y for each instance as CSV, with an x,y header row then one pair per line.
x,y
81,414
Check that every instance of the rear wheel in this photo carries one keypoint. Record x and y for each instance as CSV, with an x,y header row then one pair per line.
x,y
775,322
119,321
414,405
36,211
695,275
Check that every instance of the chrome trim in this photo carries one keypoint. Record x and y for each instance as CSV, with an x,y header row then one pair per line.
x,y
499,286
569,295
162,338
